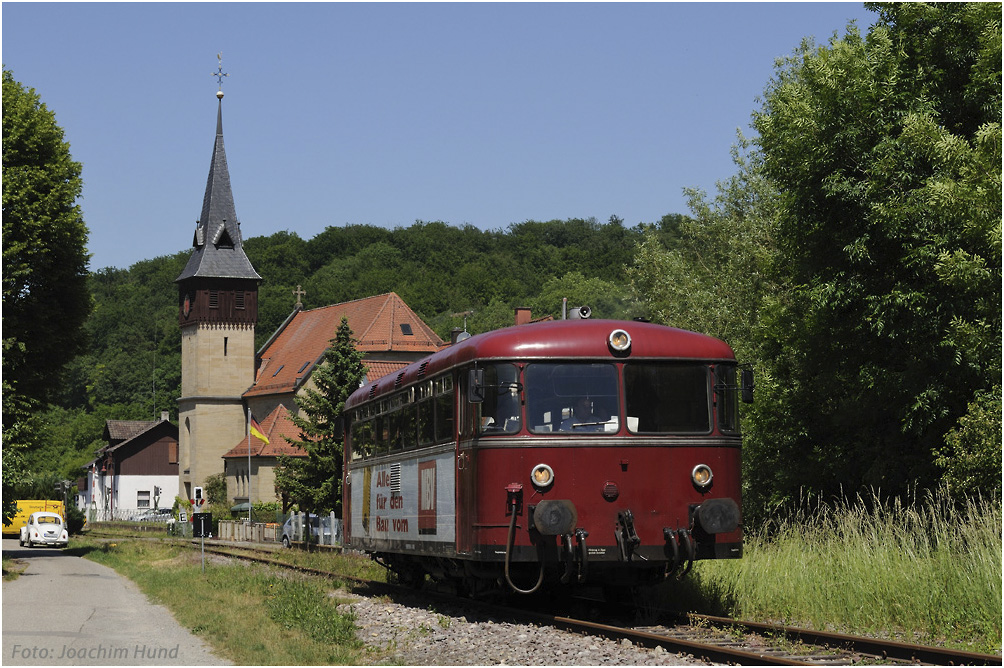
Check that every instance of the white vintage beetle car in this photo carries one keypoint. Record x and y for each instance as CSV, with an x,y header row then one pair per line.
x,y
44,528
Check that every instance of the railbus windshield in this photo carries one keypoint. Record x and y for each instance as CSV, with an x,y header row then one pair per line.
x,y
584,398
580,398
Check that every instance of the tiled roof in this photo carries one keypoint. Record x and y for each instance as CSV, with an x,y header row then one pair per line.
x,y
219,252
380,324
377,369
121,430
172,430
277,426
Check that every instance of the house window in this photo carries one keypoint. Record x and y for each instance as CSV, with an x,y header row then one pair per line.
x,y
406,329
143,499
172,452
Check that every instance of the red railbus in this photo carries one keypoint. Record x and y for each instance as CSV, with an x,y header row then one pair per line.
x,y
571,451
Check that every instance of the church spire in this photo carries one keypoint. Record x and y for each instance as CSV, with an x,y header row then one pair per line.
x,y
219,251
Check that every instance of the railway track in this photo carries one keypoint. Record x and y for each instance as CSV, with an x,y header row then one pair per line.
x,y
709,638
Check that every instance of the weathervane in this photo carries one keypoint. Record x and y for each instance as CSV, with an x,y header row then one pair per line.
x,y
219,74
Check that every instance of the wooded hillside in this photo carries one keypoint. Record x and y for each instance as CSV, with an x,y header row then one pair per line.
x,y
132,365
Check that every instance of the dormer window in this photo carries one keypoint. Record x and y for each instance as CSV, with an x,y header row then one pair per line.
x,y
223,239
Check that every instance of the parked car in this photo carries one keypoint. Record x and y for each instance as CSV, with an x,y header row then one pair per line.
x,y
318,527
159,515
44,528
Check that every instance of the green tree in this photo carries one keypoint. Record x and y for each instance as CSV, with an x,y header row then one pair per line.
x,y
45,297
20,433
606,299
885,152
216,489
971,457
855,259
315,481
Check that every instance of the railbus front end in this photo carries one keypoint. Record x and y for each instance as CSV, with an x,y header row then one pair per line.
x,y
567,452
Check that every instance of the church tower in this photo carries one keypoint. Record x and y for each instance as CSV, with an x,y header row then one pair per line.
x,y
217,312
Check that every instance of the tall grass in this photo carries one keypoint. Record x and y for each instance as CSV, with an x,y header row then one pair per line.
x,y
929,569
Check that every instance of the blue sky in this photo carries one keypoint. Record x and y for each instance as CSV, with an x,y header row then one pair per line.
x,y
383,114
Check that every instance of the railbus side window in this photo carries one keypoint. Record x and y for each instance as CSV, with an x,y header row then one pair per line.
x,y
409,428
363,439
727,398
355,435
499,413
381,426
469,412
444,409
667,398
395,417
425,414
393,421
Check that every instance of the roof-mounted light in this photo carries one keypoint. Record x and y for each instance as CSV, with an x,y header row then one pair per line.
x,y
620,341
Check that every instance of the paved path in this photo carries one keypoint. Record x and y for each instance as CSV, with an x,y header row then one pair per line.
x,y
68,611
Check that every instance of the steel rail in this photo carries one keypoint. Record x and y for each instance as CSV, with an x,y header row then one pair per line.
x,y
706,651
890,649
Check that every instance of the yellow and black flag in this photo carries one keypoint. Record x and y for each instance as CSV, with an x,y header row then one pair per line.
x,y
256,429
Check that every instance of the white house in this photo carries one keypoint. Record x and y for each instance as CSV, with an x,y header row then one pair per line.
x,y
136,471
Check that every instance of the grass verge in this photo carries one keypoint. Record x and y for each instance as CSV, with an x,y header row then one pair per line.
x,y
12,568
251,615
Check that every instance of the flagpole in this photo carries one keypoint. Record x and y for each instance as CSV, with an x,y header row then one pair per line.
x,y
249,466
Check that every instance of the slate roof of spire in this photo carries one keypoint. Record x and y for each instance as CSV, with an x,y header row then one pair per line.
x,y
219,251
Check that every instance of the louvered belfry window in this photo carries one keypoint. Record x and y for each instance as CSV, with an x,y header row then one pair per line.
x,y
239,299
214,299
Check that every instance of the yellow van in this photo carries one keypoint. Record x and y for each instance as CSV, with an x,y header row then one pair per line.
x,y
26,508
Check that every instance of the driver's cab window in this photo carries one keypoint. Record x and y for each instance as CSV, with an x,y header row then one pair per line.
x,y
572,398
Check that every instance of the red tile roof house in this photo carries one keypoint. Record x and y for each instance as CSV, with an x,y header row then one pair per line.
x,y
139,459
387,331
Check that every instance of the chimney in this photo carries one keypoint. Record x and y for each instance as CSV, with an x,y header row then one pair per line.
x,y
165,416
522,315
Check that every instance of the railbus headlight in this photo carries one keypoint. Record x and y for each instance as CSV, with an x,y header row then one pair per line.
x,y
619,340
542,476
701,475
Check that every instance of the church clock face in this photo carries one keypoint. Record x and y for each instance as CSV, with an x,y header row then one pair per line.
x,y
186,307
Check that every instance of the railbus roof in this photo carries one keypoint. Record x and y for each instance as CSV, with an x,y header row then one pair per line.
x,y
555,339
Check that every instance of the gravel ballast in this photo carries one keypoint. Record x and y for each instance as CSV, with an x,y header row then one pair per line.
x,y
402,634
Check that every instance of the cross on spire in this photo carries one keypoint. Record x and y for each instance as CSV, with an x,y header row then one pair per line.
x,y
219,73
299,292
